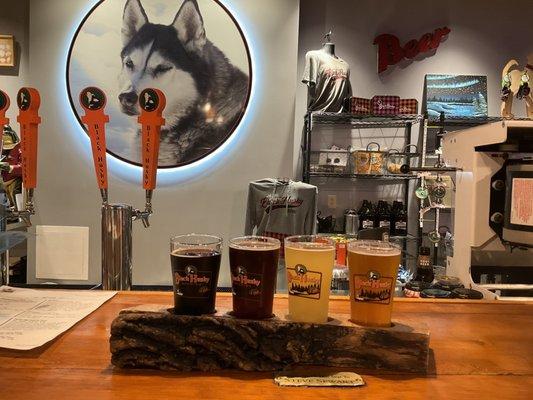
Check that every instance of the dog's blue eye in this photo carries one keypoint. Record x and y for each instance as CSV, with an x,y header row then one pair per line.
x,y
129,64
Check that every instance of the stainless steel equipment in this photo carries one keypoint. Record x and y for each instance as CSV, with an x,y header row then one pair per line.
x,y
116,246
351,222
493,220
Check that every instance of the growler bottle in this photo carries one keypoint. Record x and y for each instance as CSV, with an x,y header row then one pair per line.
x,y
383,215
366,215
398,219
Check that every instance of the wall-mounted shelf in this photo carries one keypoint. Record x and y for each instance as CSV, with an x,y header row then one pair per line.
x,y
365,121
405,121
442,122
437,123
362,176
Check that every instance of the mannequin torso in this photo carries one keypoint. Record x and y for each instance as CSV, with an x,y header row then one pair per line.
x,y
329,48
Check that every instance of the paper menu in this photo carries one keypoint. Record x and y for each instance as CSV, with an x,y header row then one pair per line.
x,y
30,318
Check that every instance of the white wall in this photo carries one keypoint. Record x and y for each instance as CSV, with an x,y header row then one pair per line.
x,y
484,36
14,19
214,202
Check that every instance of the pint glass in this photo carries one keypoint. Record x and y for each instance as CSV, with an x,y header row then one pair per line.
x,y
309,261
373,269
254,266
195,261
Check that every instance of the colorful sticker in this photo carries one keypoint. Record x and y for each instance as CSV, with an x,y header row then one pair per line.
x,y
192,283
303,282
246,285
372,288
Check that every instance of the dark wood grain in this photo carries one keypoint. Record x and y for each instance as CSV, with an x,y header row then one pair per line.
x,y
153,337
481,349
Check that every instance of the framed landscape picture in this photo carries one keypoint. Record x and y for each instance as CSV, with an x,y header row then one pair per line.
x,y
7,51
456,96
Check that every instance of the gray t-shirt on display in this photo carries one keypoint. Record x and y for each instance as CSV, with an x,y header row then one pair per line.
x,y
328,78
281,209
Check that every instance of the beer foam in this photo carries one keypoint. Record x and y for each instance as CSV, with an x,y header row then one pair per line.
x,y
254,245
374,249
195,252
311,246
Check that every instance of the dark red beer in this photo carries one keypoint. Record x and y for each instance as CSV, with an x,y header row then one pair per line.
x,y
253,265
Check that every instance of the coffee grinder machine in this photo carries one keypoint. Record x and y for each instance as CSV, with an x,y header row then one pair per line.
x,y
28,101
117,218
493,221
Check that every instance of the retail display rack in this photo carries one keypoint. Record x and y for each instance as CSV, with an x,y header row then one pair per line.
x,y
350,121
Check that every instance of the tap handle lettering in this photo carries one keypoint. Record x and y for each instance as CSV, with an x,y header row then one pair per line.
x,y
29,101
152,103
93,101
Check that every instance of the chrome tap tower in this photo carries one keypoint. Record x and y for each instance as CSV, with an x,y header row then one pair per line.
x,y
117,219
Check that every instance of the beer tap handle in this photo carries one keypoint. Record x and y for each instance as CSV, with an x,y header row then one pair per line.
x,y
4,105
28,101
93,101
152,103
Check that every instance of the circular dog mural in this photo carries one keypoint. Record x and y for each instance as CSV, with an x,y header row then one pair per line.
x,y
192,50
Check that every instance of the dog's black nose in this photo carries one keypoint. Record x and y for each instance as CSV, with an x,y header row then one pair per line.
x,y
128,98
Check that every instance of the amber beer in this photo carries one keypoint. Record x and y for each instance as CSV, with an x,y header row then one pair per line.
x,y
254,266
309,261
373,267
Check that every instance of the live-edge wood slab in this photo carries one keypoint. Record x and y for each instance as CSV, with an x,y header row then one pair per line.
x,y
150,336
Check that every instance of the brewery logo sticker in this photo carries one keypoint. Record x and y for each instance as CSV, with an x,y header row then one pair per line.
x,y
23,99
93,98
303,282
372,288
192,283
245,284
3,100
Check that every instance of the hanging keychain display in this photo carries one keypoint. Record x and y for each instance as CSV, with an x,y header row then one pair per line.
x,y
524,89
506,87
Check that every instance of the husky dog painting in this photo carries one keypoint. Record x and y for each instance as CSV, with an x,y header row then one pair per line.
x,y
191,50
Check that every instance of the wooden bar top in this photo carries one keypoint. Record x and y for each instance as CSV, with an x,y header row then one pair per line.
x,y
480,348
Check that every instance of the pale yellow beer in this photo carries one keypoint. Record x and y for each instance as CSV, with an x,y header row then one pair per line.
x,y
373,267
309,262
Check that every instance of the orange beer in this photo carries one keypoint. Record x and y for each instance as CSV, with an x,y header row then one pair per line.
x,y
373,267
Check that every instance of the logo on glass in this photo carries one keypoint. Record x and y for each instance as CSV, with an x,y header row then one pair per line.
x,y
246,285
303,282
192,283
372,287
191,270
